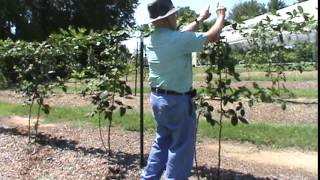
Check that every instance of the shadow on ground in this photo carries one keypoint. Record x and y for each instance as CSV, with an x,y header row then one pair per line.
x,y
226,174
121,162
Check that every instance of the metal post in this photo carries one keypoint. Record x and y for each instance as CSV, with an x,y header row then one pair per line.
x,y
316,50
136,75
141,99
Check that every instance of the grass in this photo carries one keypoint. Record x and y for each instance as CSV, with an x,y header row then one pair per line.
x,y
261,78
241,69
306,93
271,135
265,134
75,88
76,115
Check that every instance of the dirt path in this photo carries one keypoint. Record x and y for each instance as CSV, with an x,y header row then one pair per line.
x,y
290,159
66,152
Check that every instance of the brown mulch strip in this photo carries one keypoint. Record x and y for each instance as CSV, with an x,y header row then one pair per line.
x,y
65,152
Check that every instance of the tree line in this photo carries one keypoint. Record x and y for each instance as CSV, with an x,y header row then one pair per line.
x,y
35,20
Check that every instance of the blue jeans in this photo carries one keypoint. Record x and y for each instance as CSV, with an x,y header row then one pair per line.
x,y
174,146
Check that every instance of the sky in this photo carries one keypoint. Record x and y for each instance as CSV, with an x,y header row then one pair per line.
x,y
141,14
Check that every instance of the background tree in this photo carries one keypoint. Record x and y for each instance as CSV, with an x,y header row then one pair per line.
x,y
35,20
275,5
246,10
186,16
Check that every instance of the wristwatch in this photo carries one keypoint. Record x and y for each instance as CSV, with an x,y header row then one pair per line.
x,y
196,20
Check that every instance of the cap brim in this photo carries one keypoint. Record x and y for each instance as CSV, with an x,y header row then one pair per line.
x,y
172,11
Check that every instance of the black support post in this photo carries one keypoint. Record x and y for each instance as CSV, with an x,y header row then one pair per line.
x,y
141,101
136,73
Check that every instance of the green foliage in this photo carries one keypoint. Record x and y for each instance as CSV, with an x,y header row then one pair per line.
x,y
274,5
266,42
34,67
37,19
300,55
301,52
246,10
186,16
267,46
37,68
223,66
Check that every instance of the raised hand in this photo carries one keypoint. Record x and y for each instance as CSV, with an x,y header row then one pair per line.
x,y
221,10
205,15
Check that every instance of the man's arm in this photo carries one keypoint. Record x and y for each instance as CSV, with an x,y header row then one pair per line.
x,y
214,32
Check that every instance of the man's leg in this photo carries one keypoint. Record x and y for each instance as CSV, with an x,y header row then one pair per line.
x,y
181,151
159,151
158,155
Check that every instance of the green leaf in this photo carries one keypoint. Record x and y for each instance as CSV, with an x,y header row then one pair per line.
x,y
108,115
46,108
240,105
250,103
225,102
255,85
231,112
284,106
213,122
209,77
209,119
289,13
243,120
237,76
234,120
228,82
242,112
300,9
234,26
118,102
112,108
210,108
64,88
122,111
268,19
128,89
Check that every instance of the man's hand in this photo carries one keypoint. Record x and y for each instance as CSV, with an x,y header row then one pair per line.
x,y
221,10
205,15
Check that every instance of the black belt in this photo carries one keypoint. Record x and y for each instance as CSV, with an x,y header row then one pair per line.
x,y
191,93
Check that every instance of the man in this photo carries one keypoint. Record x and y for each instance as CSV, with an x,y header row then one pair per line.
x,y
170,62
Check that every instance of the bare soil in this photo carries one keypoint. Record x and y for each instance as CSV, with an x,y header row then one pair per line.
x,y
66,152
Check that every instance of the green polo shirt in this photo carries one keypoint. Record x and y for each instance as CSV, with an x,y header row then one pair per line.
x,y
170,60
